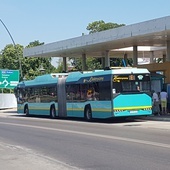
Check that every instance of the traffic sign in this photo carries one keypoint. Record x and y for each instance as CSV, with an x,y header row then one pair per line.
x,y
9,78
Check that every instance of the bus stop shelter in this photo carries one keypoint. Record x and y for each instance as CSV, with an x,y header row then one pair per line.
x,y
154,34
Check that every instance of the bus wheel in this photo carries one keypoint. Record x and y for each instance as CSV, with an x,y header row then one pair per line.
x,y
88,114
52,112
26,111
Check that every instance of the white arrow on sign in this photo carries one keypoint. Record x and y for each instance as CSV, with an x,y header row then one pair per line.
x,y
5,81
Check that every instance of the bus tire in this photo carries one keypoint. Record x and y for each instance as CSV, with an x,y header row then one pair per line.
x,y
52,112
26,110
88,113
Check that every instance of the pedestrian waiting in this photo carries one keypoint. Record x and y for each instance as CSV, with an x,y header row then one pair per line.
x,y
163,98
155,103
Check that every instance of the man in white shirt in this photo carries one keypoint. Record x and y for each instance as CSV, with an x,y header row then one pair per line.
x,y
155,103
163,98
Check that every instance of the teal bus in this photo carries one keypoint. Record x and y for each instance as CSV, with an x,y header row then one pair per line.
x,y
120,92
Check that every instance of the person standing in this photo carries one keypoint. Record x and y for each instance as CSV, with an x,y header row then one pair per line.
x,y
163,98
155,103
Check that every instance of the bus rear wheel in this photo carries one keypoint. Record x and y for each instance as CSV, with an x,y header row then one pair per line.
x,y
88,114
26,111
52,112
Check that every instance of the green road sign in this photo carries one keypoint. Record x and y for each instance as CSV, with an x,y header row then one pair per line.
x,y
9,78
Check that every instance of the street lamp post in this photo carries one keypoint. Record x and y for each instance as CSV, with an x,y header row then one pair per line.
x,y
20,66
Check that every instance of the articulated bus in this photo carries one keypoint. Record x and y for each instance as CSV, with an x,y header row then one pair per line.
x,y
121,92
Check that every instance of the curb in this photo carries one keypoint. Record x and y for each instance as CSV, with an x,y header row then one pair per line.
x,y
157,118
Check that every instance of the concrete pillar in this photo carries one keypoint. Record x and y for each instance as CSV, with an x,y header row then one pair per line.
x,y
125,59
164,58
152,57
84,66
64,64
107,58
103,62
135,55
168,51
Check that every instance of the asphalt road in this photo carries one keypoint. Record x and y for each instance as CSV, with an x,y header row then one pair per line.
x,y
41,143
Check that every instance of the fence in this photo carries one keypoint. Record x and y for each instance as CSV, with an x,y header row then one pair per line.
x,y
7,101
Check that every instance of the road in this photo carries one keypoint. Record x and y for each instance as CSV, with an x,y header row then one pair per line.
x,y
42,143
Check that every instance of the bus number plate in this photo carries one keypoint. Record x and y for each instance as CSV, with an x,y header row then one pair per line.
x,y
133,111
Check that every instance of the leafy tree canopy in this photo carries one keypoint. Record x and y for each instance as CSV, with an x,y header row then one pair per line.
x,y
98,26
12,55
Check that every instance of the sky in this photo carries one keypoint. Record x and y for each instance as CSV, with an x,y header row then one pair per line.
x,y
55,20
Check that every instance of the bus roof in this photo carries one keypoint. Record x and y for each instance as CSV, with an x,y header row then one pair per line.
x,y
130,70
76,76
44,79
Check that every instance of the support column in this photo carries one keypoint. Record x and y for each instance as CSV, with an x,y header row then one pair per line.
x,y
135,55
152,57
64,64
84,66
103,62
168,51
107,58
125,60
164,58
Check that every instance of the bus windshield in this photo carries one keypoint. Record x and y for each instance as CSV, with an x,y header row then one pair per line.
x,y
131,83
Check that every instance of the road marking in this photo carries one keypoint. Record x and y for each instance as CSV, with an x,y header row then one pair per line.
x,y
157,144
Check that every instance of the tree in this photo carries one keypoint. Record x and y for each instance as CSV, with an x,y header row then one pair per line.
x,y
98,26
31,65
92,62
9,59
12,55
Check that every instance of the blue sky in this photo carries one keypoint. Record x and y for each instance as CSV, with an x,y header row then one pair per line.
x,y
54,20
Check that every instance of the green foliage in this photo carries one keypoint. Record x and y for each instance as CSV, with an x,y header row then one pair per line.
x,y
91,62
60,68
11,55
98,26
6,90
34,44
118,62
76,63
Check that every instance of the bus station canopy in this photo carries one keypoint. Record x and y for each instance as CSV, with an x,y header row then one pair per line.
x,y
154,33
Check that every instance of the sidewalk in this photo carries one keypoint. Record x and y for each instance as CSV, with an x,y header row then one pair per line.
x,y
8,112
157,118
13,157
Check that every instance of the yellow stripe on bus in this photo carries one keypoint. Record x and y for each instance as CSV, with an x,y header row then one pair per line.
x,y
132,108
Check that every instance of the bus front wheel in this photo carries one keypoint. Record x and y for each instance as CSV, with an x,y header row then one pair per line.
x,y
52,112
26,111
88,114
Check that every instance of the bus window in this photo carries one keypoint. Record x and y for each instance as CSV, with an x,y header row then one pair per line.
x,y
20,96
31,97
73,92
52,94
83,90
91,93
142,86
105,90
117,88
